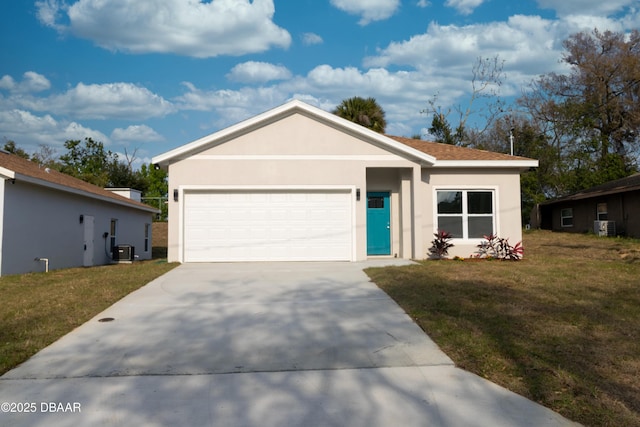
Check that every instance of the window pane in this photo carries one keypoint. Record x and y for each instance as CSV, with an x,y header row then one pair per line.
x,y
567,222
451,224
602,212
375,202
480,226
450,202
479,202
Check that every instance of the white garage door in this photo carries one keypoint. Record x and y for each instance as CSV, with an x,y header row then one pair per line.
x,y
267,226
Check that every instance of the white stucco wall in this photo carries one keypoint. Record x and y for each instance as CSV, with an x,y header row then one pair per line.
x,y
296,151
506,186
45,223
300,151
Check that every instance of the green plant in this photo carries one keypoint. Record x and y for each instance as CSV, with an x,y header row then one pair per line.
x,y
441,244
494,247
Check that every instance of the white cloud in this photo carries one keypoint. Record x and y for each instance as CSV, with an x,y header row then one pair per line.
x,y
31,82
369,10
102,101
136,133
231,106
423,3
526,43
257,72
587,7
183,27
49,11
465,7
309,39
29,131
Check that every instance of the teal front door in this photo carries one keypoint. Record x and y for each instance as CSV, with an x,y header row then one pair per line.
x,y
378,224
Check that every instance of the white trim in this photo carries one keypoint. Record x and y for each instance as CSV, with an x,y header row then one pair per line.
x,y
496,208
562,218
290,108
182,189
7,173
525,164
373,157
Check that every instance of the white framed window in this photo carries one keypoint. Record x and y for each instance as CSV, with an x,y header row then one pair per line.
x,y
566,217
466,214
601,212
147,234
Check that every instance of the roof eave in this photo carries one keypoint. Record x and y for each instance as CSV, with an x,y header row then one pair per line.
x,y
60,187
7,173
487,164
591,195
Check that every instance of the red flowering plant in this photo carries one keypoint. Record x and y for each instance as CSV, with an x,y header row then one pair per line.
x,y
441,244
494,247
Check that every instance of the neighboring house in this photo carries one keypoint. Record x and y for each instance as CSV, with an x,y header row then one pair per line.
x,y
609,209
297,183
47,217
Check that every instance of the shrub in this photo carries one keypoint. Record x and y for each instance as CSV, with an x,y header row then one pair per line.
x,y
499,248
441,244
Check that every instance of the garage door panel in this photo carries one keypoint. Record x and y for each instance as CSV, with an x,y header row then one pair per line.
x,y
264,226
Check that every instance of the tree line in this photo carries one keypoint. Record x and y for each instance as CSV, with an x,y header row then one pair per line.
x,y
89,161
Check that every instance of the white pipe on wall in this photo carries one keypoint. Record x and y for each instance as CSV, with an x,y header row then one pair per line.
x,y
46,263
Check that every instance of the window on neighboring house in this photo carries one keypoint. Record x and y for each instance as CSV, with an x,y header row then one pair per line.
x,y
113,232
147,233
602,212
466,214
566,217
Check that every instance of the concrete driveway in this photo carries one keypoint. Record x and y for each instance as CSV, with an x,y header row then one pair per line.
x,y
286,344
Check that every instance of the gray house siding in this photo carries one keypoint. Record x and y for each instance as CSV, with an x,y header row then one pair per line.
x,y
623,208
40,222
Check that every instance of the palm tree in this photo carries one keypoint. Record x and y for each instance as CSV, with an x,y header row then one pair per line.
x,y
365,112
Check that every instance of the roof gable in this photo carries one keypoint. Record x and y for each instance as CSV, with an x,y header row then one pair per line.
x,y
14,167
278,113
428,154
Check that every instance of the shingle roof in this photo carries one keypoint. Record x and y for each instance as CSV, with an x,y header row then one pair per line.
x,y
453,152
621,185
33,170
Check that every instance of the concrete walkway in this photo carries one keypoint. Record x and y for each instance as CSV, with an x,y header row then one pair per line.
x,y
287,344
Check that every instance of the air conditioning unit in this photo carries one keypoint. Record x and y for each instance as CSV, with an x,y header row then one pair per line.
x,y
604,228
123,253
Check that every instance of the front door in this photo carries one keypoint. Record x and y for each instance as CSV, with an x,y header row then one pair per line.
x,y
88,240
378,224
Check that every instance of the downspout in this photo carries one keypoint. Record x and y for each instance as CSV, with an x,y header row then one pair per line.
x,y
46,263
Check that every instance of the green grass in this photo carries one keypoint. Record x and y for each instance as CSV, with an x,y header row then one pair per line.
x,y
561,327
37,309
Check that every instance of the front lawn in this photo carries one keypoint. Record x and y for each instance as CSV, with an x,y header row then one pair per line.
x,y
561,327
36,309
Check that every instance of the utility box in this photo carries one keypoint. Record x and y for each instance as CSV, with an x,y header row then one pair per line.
x,y
123,253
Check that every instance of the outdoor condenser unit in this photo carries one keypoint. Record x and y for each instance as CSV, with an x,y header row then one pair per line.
x,y
123,253
604,228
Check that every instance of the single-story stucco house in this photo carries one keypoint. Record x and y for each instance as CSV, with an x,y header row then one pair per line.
x,y
297,183
51,220
609,209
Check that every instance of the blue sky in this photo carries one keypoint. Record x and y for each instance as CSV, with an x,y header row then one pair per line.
x,y
149,76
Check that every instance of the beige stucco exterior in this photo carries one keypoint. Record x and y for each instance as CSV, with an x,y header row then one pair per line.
x,y
302,150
